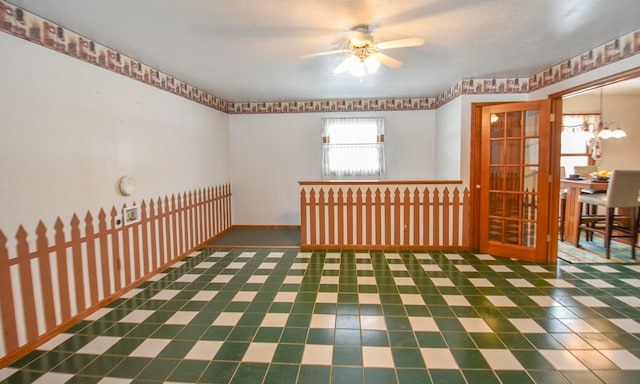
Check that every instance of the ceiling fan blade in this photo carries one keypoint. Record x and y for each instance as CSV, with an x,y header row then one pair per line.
x,y
325,53
387,60
401,43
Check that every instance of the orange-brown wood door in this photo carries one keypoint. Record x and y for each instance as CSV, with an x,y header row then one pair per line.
x,y
514,182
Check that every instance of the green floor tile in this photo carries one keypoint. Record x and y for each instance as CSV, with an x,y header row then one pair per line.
x,y
469,359
218,372
250,373
446,376
380,376
412,376
130,367
282,374
346,375
484,376
407,358
375,338
344,355
158,369
314,374
232,351
188,371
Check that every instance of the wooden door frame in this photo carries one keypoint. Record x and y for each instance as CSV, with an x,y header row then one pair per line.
x,y
475,168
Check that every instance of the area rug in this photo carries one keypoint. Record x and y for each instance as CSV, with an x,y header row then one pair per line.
x,y
592,252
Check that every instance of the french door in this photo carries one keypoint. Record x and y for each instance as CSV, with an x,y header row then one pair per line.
x,y
514,182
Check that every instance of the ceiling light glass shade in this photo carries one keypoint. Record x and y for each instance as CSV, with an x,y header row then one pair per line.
x,y
355,67
372,65
605,133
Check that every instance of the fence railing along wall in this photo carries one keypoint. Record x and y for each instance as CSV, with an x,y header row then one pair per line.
x,y
66,275
428,215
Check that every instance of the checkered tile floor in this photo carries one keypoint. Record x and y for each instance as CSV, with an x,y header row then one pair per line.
x,y
287,316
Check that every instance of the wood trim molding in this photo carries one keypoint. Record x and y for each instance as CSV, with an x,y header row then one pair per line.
x,y
379,182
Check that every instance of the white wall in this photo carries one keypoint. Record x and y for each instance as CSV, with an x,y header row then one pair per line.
x,y
448,144
271,153
71,129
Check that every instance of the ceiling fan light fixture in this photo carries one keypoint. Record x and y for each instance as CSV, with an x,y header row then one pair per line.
x,y
372,65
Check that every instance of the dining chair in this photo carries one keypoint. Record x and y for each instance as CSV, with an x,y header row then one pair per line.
x,y
623,192
585,170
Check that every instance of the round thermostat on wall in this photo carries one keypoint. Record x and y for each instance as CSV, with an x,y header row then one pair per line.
x,y
127,185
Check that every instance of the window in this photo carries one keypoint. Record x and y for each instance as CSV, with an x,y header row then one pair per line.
x,y
353,148
579,146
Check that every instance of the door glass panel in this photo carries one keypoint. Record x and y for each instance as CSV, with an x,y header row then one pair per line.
x,y
532,123
495,203
496,178
531,150
513,177
530,206
495,230
528,234
514,124
530,179
514,153
497,152
497,125
512,232
512,205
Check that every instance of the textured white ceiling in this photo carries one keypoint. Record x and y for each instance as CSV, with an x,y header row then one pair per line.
x,y
250,50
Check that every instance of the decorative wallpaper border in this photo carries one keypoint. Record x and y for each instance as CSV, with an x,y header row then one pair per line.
x,y
22,23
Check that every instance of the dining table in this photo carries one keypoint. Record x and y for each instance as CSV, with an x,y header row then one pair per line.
x,y
574,188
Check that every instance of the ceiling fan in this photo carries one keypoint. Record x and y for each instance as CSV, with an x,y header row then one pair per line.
x,y
364,54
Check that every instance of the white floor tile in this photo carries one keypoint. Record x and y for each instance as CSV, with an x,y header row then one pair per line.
x,y
520,283
632,282
293,280
366,280
379,357
244,296
501,301
389,255
500,268
571,269
559,283
484,256
205,265
590,301
157,276
204,350
624,359
598,283
204,295
327,297
501,360
629,325
285,297
475,325
315,354
361,255
431,268
629,300
527,326
53,378
227,319
373,323
331,267
442,282
465,268
332,255
236,265
411,299
330,280
562,360
99,345
137,316
129,294
55,341
535,269
257,279
364,267
275,320
404,281
166,294
481,282
267,265
150,348
6,372
115,380
397,267
456,301
181,318
438,358
299,266
423,324
369,298
423,256
605,268
323,321
453,256
260,352
187,278
545,301
579,326
222,278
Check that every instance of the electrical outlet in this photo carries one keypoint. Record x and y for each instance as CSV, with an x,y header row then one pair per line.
x,y
131,215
